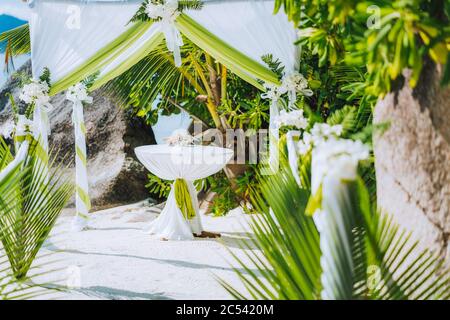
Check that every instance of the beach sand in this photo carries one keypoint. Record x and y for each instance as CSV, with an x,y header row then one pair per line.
x,y
116,259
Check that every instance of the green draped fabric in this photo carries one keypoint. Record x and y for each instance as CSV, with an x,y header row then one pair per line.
x,y
243,66
183,198
106,55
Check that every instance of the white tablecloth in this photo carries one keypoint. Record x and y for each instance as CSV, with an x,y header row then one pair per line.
x,y
189,163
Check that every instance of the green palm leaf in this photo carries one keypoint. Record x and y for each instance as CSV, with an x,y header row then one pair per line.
x,y
18,40
29,207
368,256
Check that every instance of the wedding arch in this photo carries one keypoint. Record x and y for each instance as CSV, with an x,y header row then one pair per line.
x,y
75,39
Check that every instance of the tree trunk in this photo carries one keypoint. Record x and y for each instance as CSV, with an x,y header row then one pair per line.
x,y
412,159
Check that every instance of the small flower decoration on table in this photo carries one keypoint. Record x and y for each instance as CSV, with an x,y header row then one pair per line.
x,y
181,137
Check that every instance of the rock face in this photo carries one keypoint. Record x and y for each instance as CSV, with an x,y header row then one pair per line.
x,y
115,176
413,159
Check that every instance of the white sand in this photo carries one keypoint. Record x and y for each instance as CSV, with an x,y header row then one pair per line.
x,y
118,260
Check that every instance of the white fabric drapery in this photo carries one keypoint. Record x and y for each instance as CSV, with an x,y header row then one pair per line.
x,y
251,27
181,162
64,34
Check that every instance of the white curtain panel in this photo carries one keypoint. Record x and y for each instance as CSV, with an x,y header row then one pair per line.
x,y
251,27
64,34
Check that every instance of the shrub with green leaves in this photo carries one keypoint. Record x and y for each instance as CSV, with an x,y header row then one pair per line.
x,y
381,36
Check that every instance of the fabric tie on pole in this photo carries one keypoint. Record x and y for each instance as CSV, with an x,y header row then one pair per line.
x,y
77,94
273,93
293,154
165,15
21,130
41,125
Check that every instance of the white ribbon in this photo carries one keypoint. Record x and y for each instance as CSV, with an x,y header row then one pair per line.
x,y
173,40
293,154
41,123
168,13
273,93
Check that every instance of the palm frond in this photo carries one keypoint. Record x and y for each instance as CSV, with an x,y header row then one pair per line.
x,y
29,209
345,117
368,255
17,39
290,267
156,76
17,43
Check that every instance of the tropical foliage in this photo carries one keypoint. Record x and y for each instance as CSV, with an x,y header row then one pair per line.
x,y
384,262
349,67
382,37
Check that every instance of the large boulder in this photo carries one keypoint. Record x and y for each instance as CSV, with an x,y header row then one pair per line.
x,y
115,175
413,159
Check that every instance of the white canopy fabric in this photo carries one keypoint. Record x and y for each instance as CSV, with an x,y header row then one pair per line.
x,y
252,28
66,33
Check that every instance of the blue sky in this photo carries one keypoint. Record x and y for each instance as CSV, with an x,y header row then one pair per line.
x,y
15,8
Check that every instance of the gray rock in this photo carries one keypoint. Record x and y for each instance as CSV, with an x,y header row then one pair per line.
x,y
115,175
413,159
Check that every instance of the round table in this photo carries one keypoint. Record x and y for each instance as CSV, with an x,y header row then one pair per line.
x,y
181,162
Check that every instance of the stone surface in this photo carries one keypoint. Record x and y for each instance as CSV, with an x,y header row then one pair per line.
x,y
115,175
413,159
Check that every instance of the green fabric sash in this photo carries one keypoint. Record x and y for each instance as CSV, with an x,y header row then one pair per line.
x,y
183,198
106,55
243,66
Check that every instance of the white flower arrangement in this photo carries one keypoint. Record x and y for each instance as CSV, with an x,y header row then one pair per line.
x,y
292,118
23,125
292,84
167,11
273,92
7,130
296,82
180,137
320,133
35,92
20,128
337,158
78,92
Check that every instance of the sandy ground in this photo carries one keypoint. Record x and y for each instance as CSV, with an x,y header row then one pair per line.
x,y
116,259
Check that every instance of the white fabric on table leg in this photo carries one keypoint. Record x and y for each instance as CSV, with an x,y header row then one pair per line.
x,y
195,222
171,224
189,163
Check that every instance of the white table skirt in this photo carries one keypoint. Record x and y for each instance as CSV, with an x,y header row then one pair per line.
x,y
189,163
